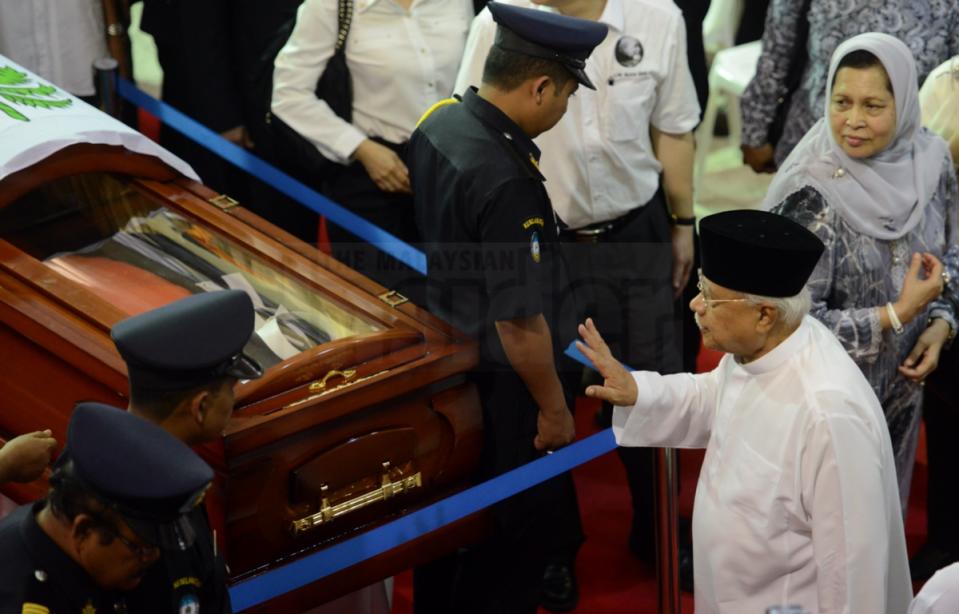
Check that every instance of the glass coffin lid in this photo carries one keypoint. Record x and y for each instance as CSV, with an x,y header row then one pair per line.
x,y
104,235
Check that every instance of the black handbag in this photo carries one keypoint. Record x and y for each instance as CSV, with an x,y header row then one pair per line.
x,y
797,66
288,148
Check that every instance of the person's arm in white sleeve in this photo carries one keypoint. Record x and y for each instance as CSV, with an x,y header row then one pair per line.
x,y
671,411
651,409
478,43
296,71
846,498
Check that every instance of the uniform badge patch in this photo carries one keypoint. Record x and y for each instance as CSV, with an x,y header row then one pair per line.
x,y
34,608
629,51
189,605
534,247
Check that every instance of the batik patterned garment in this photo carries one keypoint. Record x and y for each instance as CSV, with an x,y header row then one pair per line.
x,y
929,27
856,274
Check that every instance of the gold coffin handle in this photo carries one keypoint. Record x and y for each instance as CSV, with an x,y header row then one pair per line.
x,y
320,386
388,489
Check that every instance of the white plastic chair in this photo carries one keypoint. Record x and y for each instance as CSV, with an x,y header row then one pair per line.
x,y
730,73
720,25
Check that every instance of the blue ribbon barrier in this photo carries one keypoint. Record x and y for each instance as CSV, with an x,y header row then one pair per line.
x,y
203,136
294,575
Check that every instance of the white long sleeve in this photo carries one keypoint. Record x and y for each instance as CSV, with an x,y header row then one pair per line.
x,y
673,411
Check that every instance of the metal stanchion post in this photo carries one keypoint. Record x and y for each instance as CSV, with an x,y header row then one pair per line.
x,y
667,520
105,80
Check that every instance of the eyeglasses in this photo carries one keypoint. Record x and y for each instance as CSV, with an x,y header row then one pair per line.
x,y
709,302
143,552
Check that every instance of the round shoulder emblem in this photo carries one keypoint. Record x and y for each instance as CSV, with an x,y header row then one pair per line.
x,y
534,247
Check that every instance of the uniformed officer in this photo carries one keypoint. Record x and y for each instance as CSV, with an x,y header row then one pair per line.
x,y
120,493
493,271
183,361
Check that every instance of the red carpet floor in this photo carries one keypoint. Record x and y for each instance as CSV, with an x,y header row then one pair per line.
x,y
612,581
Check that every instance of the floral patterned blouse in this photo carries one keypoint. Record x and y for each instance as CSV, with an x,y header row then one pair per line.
x,y
857,273
929,27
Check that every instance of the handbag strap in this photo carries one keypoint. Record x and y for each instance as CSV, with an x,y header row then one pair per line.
x,y
344,20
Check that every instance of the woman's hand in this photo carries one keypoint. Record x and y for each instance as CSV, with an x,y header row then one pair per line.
x,y
384,167
924,357
761,159
923,285
619,387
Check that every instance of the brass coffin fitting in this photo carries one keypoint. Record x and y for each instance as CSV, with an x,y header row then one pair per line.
x,y
223,202
393,298
320,386
388,489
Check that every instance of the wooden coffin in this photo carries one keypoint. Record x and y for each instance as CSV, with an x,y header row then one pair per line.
x,y
363,417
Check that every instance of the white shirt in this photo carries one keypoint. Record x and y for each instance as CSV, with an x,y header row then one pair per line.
x,y
57,39
940,595
401,63
797,500
598,160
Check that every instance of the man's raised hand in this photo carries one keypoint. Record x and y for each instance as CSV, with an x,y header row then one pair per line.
x,y
619,387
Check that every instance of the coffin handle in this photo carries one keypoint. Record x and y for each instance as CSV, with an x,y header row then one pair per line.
x,y
388,489
347,375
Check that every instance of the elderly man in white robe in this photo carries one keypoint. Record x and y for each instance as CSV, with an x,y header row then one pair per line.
x,y
797,501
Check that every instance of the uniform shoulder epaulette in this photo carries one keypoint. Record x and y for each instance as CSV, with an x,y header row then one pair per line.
x,y
36,593
441,103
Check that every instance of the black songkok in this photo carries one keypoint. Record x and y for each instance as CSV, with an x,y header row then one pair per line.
x,y
757,252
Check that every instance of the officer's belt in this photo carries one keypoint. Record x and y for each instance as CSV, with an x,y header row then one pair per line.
x,y
594,233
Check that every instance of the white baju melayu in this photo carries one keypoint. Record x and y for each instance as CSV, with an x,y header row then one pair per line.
x,y
797,501
940,595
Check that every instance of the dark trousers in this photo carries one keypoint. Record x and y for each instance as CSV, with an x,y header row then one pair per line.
x,y
353,188
624,282
941,412
503,575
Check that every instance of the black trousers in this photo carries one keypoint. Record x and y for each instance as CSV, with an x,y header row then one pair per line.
x,y
941,413
504,574
394,213
624,282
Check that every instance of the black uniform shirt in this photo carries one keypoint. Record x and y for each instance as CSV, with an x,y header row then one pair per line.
x,y
488,227
34,570
188,582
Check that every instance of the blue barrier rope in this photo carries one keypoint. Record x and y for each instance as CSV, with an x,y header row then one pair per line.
x,y
203,136
297,574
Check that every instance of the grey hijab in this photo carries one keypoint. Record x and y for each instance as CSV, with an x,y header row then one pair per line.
x,y
883,196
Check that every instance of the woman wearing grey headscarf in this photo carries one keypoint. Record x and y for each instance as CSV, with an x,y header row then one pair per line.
x,y
880,191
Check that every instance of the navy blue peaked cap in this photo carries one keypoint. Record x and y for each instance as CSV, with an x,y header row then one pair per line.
x,y
189,342
548,35
136,468
758,252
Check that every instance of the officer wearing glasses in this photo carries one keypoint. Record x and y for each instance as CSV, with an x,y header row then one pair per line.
x,y
120,495
183,361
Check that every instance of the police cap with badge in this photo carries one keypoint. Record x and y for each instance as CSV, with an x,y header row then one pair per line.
x,y
138,470
548,35
189,342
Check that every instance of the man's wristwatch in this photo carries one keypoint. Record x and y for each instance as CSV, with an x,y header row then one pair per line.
x,y
675,220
